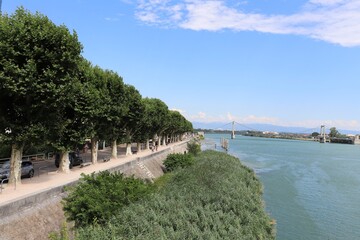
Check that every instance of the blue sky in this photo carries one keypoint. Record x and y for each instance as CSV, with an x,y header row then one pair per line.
x,y
283,62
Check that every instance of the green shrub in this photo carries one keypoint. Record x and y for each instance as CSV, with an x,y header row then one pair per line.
x,y
177,160
194,148
5,150
215,198
63,235
162,181
98,197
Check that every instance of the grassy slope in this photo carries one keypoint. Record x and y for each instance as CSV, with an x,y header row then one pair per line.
x,y
217,198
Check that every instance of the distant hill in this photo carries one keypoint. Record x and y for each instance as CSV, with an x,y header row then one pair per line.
x,y
263,127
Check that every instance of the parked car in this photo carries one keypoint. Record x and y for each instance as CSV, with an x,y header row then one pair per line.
x,y
27,169
75,159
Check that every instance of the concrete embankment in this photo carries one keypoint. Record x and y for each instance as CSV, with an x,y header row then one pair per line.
x,y
34,216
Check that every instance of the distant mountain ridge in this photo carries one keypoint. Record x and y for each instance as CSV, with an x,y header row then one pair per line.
x,y
263,127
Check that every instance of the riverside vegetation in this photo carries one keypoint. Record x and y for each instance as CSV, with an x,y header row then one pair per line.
x,y
213,197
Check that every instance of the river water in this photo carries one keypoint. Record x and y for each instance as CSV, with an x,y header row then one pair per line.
x,y
312,190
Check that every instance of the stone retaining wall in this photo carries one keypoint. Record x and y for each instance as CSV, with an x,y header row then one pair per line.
x,y
35,216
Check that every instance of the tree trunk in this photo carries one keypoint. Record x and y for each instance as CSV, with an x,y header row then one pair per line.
x,y
164,140
138,147
114,150
147,144
94,150
155,142
64,165
128,149
15,164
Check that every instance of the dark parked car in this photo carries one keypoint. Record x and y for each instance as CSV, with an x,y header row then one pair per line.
x,y
27,169
74,158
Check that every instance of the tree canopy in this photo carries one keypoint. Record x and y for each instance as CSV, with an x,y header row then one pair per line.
x,y
50,93
38,68
334,132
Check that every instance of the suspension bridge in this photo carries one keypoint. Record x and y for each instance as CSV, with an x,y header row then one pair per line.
x,y
233,130
321,136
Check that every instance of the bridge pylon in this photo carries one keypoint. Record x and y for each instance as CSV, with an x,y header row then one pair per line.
x,y
322,138
233,130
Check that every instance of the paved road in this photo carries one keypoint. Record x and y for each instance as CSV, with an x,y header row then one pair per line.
x,y
48,165
47,177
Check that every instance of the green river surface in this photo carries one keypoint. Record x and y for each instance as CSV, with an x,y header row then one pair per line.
x,y
311,189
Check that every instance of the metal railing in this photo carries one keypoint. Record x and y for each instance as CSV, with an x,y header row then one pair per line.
x,y
33,157
2,182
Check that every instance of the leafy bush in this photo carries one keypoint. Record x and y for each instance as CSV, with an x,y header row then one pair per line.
x,y
194,148
5,150
98,197
216,198
63,235
178,160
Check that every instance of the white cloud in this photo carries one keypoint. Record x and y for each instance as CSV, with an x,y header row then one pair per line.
x,y
255,119
110,19
230,117
327,2
199,116
334,21
179,110
203,117
339,124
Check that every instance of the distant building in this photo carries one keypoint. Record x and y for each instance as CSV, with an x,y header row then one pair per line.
x,y
357,139
270,133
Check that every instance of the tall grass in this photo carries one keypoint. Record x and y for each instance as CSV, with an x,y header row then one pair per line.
x,y
216,198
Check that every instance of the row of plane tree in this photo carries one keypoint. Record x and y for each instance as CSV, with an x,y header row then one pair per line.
x,y
49,93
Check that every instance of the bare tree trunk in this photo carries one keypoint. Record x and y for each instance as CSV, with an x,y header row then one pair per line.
x,y
138,147
114,150
94,150
147,144
15,164
156,142
128,149
64,166
164,140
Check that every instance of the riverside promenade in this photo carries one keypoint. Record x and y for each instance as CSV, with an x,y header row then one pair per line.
x,y
50,182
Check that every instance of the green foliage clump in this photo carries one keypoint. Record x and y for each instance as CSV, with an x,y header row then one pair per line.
x,y
224,201
63,235
5,150
177,160
98,197
194,148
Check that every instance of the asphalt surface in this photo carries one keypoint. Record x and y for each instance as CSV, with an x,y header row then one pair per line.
x,y
47,177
